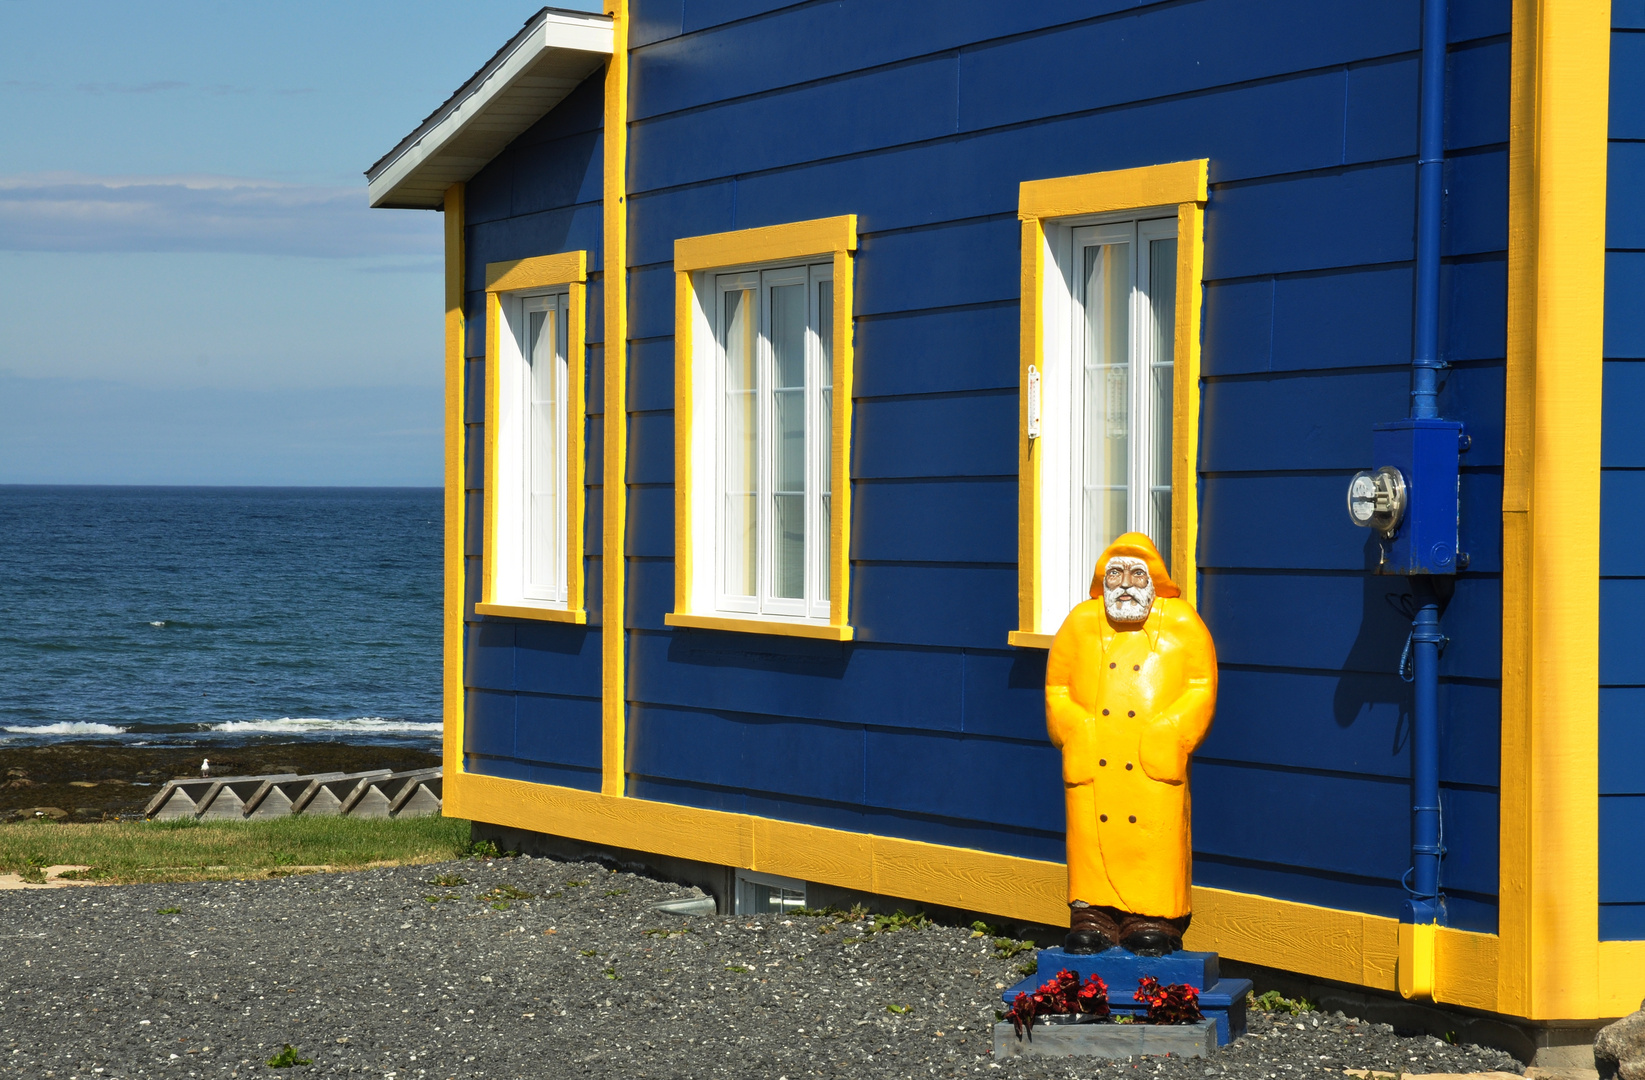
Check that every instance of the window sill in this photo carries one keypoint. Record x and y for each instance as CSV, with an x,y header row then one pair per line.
x,y
542,614
823,631
1029,639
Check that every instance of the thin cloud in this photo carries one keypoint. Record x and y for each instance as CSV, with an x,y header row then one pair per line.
x,y
74,212
130,88
27,86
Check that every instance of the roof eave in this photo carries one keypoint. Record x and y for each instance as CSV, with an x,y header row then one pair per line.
x,y
554,52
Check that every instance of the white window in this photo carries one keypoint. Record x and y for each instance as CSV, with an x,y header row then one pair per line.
x,y
531,460
1106,408
772,409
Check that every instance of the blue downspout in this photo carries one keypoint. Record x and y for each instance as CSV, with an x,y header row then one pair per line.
x,y
1425,904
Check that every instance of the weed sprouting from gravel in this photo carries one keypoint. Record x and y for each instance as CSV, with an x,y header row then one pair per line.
x,y
1273,1001
286,1058
448,881
168,911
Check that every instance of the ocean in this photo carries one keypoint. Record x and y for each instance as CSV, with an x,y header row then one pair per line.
x,y
201,616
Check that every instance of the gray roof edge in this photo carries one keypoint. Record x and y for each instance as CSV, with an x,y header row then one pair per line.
x,y
477,80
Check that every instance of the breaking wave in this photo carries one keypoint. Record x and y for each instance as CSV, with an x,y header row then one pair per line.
x,y
64,727
307,725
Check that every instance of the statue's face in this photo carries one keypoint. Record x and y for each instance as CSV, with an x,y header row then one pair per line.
x,y
1127,589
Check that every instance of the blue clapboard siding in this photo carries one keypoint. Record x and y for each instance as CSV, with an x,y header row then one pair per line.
x,y
532,702
922,118
1622,480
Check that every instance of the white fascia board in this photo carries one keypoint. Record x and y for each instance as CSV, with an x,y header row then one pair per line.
x,y
592,36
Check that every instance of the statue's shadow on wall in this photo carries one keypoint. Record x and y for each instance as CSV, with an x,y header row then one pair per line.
x,y
1369,681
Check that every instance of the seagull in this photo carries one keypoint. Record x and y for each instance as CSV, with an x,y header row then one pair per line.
x,y
205,767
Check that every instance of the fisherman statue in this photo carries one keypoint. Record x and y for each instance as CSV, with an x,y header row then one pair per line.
x,y
1130,688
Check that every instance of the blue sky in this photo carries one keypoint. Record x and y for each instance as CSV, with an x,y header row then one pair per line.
x,y
192,287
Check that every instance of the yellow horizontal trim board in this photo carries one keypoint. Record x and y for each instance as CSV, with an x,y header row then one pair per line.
x,y
1121,189
1621,977
1549,857
544,614
927,873
1345,946
538,272
794,240
1182,185
825,631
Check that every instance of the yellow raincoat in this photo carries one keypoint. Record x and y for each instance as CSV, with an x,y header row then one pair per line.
x,y
1128,703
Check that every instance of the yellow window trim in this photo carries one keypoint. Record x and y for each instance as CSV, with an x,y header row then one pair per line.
x,y
834,237
780,627
1182,184
773,243
578,616
570,269
1553,965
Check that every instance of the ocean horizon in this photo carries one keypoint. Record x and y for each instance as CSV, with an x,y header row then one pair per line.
x,y
186,615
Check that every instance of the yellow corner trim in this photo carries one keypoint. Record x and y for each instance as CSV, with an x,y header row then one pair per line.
x,y
456,500
1120,189
614,346
1548,891
543,614
794,240
756,625
1029,639
539,272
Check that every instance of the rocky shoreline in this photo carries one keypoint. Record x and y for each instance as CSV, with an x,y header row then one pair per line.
x,y
109,781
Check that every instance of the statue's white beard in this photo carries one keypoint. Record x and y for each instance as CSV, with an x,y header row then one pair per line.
x,y
1128,605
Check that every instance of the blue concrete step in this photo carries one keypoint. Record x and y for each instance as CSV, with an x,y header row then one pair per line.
x,y
1221,1000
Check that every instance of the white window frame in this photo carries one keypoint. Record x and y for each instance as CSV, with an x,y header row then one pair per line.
x,y
1065,574
511,579
712,528
791,893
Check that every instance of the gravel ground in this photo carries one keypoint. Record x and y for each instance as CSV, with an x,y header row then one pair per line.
x,y
387,973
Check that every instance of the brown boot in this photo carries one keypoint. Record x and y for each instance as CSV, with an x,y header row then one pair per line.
x,y
1149,935
1091,930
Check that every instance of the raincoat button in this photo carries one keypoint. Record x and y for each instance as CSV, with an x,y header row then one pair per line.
x,y
1104,817
1102,761
1111,663
1105,712
1133,819
1136,667
1128,766
1133,712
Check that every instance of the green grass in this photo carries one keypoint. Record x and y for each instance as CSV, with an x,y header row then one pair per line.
x,y
1275,1002
191,850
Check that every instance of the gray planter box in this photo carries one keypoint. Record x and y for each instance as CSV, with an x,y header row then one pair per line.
x,y
1107,1040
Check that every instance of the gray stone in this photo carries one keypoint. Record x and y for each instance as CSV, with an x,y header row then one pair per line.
x,y
1106,1040
1619,1050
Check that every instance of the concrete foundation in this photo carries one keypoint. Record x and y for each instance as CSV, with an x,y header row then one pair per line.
x,y
1106,1040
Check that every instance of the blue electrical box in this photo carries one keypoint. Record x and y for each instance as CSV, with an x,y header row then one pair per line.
x,y
1427,453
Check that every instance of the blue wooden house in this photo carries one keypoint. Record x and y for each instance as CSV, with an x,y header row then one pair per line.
x,y
800,355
